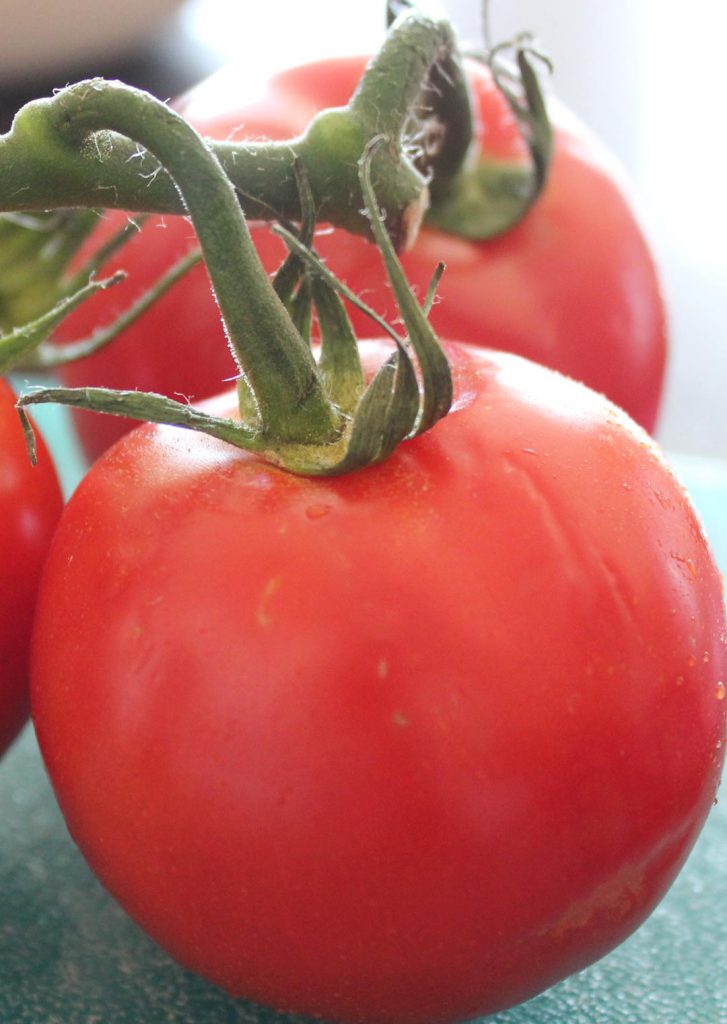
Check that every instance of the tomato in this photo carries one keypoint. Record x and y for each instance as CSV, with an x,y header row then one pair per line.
x,y
573,286
406,745
30,503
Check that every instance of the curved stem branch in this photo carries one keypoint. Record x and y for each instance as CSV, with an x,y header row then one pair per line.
x,y
102,168
278,365
418,72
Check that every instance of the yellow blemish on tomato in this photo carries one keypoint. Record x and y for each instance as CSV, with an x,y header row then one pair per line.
x,y
264,617
317,511
687,565
613,900
720,691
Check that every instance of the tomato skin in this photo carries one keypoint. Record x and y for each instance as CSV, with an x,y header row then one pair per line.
x,y
573,286
30,504
407,745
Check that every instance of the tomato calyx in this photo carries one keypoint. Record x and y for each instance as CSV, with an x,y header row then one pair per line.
x,y
482,198
488,197
312,418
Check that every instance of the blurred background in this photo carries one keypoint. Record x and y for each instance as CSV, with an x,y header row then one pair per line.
x,y
646,76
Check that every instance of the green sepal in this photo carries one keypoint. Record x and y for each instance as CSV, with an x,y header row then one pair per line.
x,y
538,129
288,274
20,343
320,269
339,363
432,287
485,200
385,415
49,355
403,408
434,366
101,255
300,308
138,405
486,197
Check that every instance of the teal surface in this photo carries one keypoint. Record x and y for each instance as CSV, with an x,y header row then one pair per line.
x,y
69,955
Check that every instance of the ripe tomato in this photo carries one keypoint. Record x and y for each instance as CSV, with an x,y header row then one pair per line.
x,y
30,503
407,745
573,286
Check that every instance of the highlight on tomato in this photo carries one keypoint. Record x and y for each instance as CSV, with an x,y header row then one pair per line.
x,y
573,285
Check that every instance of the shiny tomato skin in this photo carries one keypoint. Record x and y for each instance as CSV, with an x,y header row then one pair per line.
x,y
404,746
30,504
573,286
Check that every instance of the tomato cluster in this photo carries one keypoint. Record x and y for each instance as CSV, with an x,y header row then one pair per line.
x,y
572,287
409,744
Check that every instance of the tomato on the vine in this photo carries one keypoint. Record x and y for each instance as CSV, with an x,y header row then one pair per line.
x,y
406,745
30,503
573,286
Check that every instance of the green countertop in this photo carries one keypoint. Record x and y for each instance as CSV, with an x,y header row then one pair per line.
x,y
69,954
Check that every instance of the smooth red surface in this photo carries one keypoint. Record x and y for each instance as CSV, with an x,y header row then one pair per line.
x,y
405,746
30,503
572,287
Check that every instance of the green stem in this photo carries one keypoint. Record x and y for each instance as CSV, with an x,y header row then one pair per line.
x,y
277,364
42,168
418,70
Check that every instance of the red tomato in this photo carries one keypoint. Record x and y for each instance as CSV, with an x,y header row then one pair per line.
x,y
30,503
573,286
407,745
